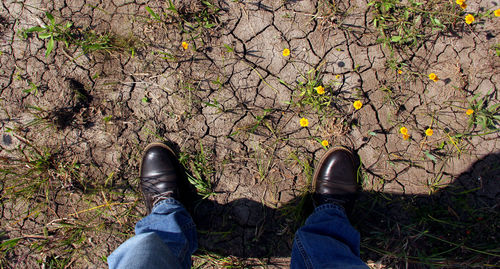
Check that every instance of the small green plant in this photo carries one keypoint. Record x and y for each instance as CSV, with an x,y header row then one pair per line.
x,y
52,31
88,40
331,13
407,23
201,171
215,104
107,118
33,88
259,121
485,114
193,23
165,55
312,93
206,259
497,49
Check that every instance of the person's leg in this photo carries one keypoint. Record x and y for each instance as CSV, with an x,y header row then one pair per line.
x,y
166,237
327,239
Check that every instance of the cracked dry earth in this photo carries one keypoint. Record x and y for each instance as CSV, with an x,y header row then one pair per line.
x,y
213,96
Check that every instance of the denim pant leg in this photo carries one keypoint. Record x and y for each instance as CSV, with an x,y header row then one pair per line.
x,y
166,238
327,240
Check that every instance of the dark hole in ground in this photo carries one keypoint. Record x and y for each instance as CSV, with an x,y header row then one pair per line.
x,y
3,24
7,139
82,96
64,117
341,64
402,108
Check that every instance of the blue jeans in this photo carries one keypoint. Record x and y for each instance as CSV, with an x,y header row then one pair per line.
x,y
327,240
166,238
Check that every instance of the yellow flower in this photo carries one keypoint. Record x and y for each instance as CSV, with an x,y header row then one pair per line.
x,y
320,89
429,132
406,136
459,2
324,143
497,12
433,77
403,130
357,104
185,45
469,112
463,6
337,76
286,52
469,19
400,71
304,122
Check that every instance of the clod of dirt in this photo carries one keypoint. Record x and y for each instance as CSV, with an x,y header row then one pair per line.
x,y
188,6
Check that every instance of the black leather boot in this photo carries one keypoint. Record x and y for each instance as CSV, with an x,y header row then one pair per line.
x,y
335,179
159,174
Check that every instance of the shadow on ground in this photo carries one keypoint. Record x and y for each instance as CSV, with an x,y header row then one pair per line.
x,y
455,226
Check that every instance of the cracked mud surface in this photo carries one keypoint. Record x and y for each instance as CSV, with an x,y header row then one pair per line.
x,y
255,173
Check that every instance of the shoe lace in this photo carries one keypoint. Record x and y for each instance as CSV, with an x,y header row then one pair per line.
x,y
162,196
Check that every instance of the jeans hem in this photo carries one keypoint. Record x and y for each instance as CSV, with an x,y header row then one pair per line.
x,y
330,206
169,200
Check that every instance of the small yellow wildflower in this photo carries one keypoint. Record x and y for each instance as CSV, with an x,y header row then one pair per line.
x,y
185,45
459,2
357,104
463,6
304,122
429,132
320,89
433,77
324,143
286,52
406,136
469,112
469,19
403,130
497,12
338,76
400,71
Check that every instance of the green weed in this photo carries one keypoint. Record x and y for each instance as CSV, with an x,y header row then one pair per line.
x,y
408,23
486,115
206,258
194,23
331,14
215,104
497,49
87,40
298,210
259,121
441,232
311,92
201,171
